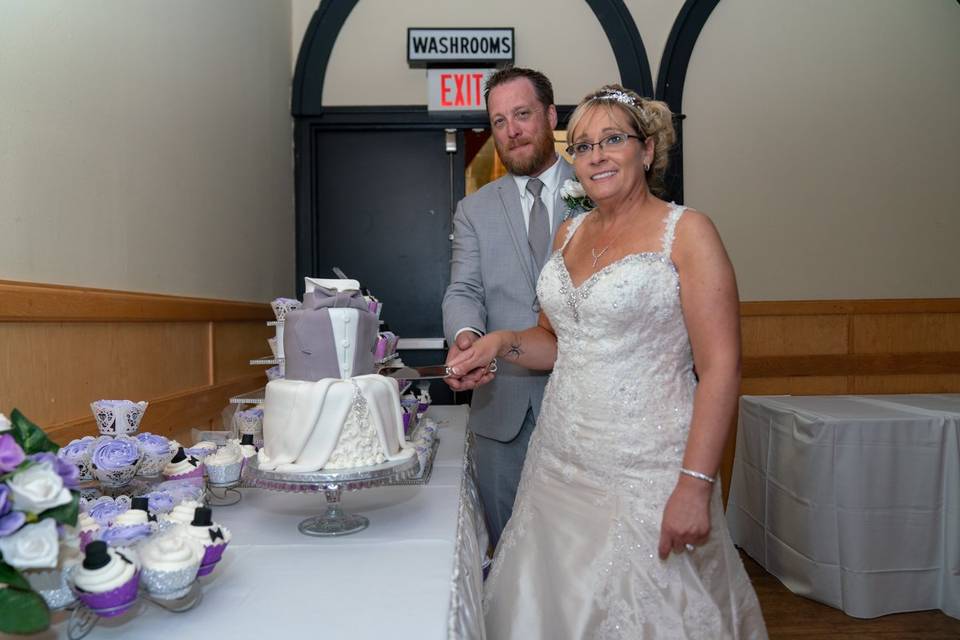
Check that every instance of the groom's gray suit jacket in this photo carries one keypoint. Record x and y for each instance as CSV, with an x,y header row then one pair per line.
x,y
493,279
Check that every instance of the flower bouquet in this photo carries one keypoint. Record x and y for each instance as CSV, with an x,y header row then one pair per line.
x,y
37,503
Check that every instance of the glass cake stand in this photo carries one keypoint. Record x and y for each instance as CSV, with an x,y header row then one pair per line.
x,y
335,521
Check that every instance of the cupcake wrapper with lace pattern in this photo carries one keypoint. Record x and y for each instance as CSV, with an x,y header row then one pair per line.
x,y
116,417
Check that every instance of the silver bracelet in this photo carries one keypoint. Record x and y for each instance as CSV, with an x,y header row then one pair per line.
x,y
697,475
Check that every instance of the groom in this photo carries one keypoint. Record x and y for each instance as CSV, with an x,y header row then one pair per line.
x,y
502,237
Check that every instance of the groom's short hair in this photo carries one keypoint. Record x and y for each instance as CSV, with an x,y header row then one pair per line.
x,y
541,84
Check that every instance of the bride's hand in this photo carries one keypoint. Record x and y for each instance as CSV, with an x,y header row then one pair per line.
x,y
686,517
471,367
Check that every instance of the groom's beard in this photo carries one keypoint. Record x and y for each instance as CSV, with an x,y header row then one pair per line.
x,y
540,155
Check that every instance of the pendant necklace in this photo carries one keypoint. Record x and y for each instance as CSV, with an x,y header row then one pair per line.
x,y
596,255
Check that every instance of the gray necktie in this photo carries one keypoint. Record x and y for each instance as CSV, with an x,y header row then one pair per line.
x,y
538,232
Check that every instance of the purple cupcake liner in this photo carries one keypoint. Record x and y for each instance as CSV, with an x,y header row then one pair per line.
x,y
211,556
115,602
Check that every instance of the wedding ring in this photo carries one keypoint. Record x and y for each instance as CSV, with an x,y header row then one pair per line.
x,y
448,371
492,367
689,547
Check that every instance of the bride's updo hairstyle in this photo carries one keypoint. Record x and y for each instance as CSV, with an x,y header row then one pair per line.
x,y
649,119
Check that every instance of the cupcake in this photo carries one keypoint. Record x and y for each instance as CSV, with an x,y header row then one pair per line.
x,y
184,512
105,510
223,467
212,536
160,502
156,454
183,466
107,579
114,461
170,564
87,529
201,450
125,535
77,453
116,417
247,448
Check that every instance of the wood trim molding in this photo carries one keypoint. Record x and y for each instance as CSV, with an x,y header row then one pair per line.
x,y
845,307
851,364
29,302
170,414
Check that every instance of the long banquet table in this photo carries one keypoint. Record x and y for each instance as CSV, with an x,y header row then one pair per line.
x,y
852,500
415,572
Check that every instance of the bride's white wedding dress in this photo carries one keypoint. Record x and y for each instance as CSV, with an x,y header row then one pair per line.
x,y
578,559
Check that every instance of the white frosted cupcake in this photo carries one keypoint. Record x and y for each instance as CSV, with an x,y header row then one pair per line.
x,y
107,580
170,564
223,467
183,513
183,466
212,536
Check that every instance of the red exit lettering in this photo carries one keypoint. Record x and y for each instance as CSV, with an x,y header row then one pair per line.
x,y
464,88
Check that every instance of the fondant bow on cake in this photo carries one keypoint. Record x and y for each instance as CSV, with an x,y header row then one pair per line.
x,y
324,298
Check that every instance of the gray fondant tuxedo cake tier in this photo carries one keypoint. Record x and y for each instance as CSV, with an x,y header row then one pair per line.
x,y
332,336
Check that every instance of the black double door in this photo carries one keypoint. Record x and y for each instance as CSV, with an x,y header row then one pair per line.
x,y
377,205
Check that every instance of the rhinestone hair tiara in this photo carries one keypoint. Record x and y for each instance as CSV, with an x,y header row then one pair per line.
x,y
619,96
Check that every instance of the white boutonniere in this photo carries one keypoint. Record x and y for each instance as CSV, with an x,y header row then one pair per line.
x,y
573,195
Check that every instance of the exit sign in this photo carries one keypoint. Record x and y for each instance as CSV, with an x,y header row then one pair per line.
x,y
456,89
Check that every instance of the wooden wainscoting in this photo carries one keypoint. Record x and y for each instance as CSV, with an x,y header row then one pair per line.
x,y
62,347
824,347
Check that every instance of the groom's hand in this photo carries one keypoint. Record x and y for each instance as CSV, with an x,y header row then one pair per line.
x,y
471,379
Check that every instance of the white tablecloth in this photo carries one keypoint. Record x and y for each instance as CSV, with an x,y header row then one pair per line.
x,y
852,500
413,573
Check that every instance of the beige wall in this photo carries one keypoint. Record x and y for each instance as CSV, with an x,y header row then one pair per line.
x,y
821,136
823,139
147,146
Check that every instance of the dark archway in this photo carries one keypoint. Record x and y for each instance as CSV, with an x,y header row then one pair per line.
x,y
330,16
672,75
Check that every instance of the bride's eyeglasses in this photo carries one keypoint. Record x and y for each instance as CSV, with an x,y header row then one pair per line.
x,y
611,142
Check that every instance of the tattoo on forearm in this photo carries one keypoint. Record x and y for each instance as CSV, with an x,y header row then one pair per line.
x,y
514,351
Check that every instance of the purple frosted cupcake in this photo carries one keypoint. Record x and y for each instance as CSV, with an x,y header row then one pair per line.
x,y
107,580
183,466
106,510
125,535
212,536
156,452
77,453
114,461
159,502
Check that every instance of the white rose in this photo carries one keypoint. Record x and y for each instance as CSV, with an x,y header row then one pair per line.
x,y
34,546
37,489
572,189
4,423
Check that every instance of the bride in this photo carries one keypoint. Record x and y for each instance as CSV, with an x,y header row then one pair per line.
x,y
618,528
